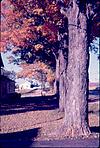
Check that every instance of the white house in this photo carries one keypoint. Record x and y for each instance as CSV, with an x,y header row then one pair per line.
x,y
25,85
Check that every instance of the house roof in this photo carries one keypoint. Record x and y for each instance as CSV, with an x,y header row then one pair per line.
x,y
1,62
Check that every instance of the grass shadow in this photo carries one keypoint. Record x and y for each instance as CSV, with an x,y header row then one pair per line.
x,y
95,92
13,106
95,129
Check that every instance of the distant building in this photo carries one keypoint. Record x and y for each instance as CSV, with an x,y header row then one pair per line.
x,y
7,86
93,85
25,85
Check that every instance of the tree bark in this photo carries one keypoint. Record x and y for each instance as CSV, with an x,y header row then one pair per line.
x,y
76,106
62,81
56,83
63,61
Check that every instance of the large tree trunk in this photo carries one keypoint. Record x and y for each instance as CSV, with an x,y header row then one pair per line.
x,y
76,106
76,120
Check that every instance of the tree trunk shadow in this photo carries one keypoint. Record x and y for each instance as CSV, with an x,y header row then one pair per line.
x,y
18,139
95,129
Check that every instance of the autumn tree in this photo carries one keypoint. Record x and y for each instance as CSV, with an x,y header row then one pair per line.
x,y
33,31
39,71
29,30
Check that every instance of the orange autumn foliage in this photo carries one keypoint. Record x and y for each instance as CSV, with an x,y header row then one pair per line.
x,y
33,71
15,28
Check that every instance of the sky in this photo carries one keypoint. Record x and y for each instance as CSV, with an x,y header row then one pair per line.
x,y
13,67
9,66
94,63
93,66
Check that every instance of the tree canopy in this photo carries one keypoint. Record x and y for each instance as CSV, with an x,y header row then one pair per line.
x,y
30,28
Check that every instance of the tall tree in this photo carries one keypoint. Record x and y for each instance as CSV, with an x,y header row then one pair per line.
x,y
31,31
76,75
77,72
